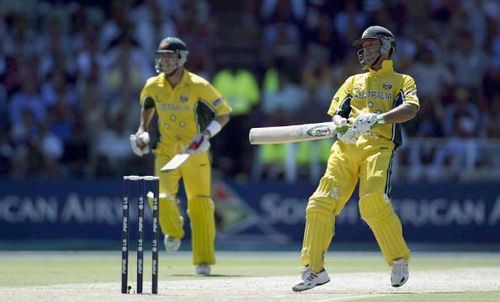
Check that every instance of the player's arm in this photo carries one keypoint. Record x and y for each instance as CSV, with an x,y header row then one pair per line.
x,y
147,113
340,109
140,140
219,106
222,120
408,103
200,143
400,114
407,106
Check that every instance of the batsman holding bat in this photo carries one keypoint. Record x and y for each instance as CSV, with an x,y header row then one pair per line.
x,y
190,112
374,104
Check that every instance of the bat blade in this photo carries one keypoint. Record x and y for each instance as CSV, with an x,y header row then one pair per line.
x,y
291,133
175,162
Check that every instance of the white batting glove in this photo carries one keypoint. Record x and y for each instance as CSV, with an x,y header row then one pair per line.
x,y
365,122
348,137
340,122
199,143
140,143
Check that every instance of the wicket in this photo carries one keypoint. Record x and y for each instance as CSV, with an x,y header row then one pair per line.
x,y
143,181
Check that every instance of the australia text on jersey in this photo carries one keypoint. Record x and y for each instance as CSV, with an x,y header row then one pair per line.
x,y
363,94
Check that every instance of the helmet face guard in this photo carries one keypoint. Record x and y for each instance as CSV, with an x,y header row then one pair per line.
x,y
166,63
369,56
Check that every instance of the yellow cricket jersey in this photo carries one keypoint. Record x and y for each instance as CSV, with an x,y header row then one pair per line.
x,y
185,110
375,92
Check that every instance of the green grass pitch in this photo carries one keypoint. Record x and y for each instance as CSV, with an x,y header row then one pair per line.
x,y
28,275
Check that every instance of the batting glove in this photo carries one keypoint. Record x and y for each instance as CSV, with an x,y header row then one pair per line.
x,y
200,143
339,123
365,122
140,143
348,137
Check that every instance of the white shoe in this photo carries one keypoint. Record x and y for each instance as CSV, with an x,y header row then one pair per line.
x,y
309,279
171,244
203,269
400,273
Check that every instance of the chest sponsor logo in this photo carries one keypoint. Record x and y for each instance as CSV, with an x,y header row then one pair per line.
x,y
387,85
378,95
184,98
174,107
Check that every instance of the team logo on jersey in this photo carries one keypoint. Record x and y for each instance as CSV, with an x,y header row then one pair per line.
x,y
184,98
387,85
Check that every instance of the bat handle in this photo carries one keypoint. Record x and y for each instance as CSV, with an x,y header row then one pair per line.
x,y
342,129
195,144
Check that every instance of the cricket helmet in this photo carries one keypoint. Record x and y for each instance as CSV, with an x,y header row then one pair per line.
x,y
170,45
378,32
368,56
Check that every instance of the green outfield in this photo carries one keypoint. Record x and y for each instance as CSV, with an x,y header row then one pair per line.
x,y
252,276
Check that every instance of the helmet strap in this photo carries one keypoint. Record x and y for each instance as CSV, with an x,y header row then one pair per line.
x,y
376,61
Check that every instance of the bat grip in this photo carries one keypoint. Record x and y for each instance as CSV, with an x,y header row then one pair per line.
x,y
196,144
342,129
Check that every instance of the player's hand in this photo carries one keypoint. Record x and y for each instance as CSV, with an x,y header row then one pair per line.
x,y
348,137
340,122
341,125
140,143
199,143
364,123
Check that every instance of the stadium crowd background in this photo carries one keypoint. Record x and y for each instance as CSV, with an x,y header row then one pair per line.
x,y
71,73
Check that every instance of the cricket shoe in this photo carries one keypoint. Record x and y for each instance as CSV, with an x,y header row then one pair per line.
x,y
203,269
309,279
171,244
400,273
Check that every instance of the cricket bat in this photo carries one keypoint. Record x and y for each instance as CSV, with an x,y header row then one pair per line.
x,y
180,158
293,133
175,162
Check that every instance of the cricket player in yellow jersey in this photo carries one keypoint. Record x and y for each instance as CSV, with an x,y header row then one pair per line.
x,y
374,104
190,112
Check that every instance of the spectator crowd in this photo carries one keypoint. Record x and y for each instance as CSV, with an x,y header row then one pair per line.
x,y
71,73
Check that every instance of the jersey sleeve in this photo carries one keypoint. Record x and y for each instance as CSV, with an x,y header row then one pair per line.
x,y
409,91
146,92
214,100
341,102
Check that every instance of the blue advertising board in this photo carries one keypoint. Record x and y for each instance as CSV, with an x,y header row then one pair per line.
x,y
265,212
